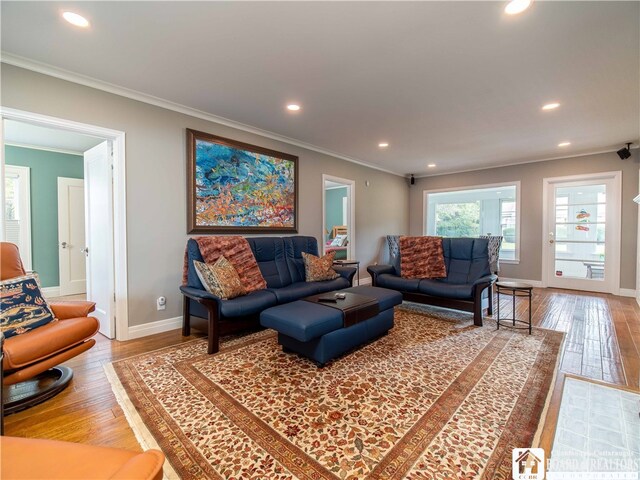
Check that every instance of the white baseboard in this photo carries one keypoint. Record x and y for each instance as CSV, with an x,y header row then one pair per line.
x,y
627,292
363,281
49,292
152,328
533,283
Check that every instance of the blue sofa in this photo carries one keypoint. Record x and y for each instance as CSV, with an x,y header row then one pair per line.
x,y
280,261
468,285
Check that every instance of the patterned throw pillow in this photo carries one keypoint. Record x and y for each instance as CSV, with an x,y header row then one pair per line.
x,y
422,257
318,269
22,306
220,279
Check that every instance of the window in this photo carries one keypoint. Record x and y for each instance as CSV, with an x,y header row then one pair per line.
x,y
478,211
17,210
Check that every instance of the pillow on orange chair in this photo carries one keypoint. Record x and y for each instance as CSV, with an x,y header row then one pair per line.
x,y
318,269
22,306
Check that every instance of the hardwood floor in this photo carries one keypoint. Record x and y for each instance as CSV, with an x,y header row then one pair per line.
x,y
603,343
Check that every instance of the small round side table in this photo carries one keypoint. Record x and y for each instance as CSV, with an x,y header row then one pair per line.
x,y
515,289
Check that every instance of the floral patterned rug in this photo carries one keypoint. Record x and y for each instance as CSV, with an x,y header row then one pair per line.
x,y
436,398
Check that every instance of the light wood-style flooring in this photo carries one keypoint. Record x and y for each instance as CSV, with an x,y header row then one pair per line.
x,y
603,343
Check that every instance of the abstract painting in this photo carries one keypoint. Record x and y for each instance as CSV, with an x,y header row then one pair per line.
x,y
235,187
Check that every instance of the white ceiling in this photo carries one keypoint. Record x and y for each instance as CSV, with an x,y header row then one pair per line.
x,y
24,134
459,84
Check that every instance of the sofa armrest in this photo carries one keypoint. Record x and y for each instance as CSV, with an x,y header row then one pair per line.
x,y
480,285
375,270
65,310
346,272
199,295
380,269
486,280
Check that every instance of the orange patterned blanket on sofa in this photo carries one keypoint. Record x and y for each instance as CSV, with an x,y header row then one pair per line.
x,y
422,257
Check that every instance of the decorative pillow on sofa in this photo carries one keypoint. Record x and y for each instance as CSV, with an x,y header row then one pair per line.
x,y
220,279
317,269
422,257
22,306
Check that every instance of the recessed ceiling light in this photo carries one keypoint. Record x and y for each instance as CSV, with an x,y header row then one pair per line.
x,y
517,6
294,107
498,193
431,165
75,19
383,144
550,106
564,144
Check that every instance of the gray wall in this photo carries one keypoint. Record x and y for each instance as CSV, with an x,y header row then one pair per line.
x,y
531,176
156,191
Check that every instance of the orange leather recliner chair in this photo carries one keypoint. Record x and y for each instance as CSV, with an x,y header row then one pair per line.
x,y
34,356
30,459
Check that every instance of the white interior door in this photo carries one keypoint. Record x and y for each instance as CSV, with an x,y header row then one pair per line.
x,y
583,233
71,236
99,232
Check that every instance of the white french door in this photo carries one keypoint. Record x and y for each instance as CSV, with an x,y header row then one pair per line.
x,y
582,232
99,222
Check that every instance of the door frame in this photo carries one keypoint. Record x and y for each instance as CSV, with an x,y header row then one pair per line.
x,y
119,227
616,227
351,211
61,183
25,220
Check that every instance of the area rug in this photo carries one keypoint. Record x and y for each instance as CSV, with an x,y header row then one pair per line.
x,y
436,398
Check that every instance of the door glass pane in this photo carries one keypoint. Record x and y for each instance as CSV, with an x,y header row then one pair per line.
x,y
579,260
580,216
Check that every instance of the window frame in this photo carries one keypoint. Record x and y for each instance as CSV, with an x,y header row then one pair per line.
x,y
516,183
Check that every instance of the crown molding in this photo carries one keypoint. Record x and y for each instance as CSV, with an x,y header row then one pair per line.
x,y
52,71
513,164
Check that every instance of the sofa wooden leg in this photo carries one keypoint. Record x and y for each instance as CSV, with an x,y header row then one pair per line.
x,y
186,317
477,312
214,333
490,294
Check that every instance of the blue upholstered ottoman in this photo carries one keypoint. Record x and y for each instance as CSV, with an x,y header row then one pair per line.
x,y
316,331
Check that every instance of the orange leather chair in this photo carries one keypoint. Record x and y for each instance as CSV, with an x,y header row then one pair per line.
x,y
26,458
31,359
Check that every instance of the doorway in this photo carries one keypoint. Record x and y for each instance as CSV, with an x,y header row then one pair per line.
x,y
91,236
582,232
338,217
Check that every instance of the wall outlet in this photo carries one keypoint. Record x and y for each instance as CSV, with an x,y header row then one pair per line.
x,y
161,303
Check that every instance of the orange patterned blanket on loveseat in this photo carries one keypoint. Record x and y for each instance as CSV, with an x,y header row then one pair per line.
x,y
422,257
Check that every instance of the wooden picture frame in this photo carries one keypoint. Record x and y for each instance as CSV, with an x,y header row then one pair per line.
x,y
235,187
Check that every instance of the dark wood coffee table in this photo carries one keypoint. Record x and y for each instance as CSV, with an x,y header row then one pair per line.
x,y
355,307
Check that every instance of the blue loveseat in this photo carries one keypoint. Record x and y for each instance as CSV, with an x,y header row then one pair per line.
x,y
468,285
281,264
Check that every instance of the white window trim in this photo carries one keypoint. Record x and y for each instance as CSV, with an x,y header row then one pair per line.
x,y
425,209
24,201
